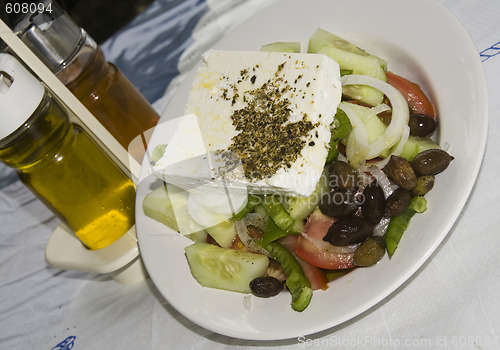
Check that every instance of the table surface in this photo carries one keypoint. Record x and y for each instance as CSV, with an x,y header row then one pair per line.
x,y
451,302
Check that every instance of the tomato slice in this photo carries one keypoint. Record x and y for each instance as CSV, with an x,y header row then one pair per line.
x,y
417,100
317,225
315,275
323,258
315,251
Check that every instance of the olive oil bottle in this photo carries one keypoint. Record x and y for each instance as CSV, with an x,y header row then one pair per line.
x,y
75,58
57,160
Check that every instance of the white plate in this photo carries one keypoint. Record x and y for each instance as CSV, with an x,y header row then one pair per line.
x,y
420,40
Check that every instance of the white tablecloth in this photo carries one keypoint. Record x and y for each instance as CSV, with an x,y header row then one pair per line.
x,y
452,302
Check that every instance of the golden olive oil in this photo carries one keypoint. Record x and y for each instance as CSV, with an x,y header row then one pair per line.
x,y
72,175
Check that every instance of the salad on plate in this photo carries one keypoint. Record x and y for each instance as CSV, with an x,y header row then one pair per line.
x,y
291,169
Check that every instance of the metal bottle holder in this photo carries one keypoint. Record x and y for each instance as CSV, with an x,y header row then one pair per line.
x,y
64,250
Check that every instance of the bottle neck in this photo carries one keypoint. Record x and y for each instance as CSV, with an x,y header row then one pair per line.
x,y
88,62
37,137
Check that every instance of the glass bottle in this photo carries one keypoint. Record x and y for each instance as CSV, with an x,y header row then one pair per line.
x,y
75,58
60,162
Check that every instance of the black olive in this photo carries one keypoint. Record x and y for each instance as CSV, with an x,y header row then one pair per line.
x,y
266,287
397,202
369,252
421,125
348,230
373,207
338,203
399,170
425,183
431,162
343,176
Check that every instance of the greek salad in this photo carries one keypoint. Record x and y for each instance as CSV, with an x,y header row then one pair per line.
x,y
382,160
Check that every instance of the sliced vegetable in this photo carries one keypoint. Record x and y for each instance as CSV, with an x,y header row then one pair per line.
x,y
322,37
157,205
299,208
397,149
272,233
341,127
374,125
312,248
345,72
357,145
314,274
323,256
223,233
419,204
252,203
318,224
282,46
399,119
168,204
399,224
277,212
224,268
351,57
296,282
199,236
246,225
415,97
415,145
363,65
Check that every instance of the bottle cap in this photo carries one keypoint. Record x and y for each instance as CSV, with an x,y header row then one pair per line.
x,y
20,94
53,36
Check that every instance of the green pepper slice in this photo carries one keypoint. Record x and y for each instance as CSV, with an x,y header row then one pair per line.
x,y
296,282
399,224
341,127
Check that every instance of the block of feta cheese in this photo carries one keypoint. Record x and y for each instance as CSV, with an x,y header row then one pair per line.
x,y
264,118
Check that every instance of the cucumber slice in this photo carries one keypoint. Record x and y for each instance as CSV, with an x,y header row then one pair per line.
x,y
299,208
223,233
364,65
282,46
415,145
223,268
351,58
157,205
322,37
198,237
168,204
